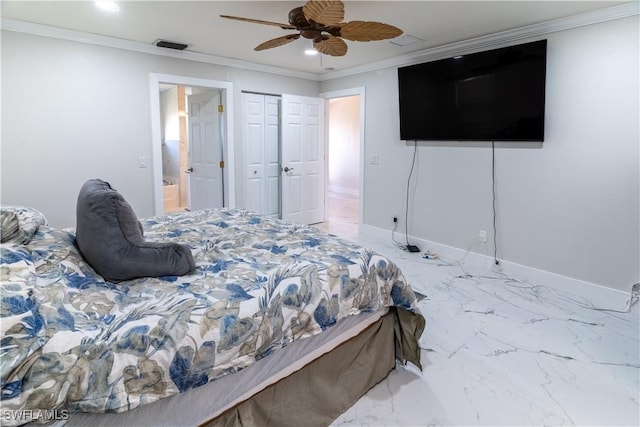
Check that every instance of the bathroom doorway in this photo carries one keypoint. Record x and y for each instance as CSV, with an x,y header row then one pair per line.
x,y
183,187
201,179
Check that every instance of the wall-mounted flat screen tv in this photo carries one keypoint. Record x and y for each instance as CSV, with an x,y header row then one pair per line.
x,y
496,95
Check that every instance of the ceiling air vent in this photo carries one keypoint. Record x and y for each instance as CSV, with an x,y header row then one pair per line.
x,y
170,45
405,39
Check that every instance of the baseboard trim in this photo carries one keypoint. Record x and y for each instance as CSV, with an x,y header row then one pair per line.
x,y
606,297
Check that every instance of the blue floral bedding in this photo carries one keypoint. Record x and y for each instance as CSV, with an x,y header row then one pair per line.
x,y
73,342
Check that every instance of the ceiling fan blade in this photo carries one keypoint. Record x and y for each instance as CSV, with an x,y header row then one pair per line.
x,y
279,41
365,31
327,12
332,46
259,21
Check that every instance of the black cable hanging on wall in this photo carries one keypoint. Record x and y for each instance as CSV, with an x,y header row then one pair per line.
x,y
409,247
493,194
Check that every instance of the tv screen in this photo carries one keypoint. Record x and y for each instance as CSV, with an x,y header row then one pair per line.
x,y
497,95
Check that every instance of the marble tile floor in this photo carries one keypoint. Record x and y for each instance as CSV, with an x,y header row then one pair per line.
x,y
341,215
500,352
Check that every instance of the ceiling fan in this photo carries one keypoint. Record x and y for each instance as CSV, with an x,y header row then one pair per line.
x,y
321,21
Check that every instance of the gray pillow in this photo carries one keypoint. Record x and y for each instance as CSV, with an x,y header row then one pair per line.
x,y
110,238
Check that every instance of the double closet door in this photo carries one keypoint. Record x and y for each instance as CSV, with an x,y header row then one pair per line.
x,y
284,156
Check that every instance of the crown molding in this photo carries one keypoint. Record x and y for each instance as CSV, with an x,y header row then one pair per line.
x,y
494,40
114,42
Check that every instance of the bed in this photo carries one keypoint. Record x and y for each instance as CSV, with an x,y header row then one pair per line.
x,y
279,323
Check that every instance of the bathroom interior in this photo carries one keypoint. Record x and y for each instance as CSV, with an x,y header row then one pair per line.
x,y
175,145
173,120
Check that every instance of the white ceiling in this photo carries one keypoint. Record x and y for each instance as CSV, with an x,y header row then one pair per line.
x,y
197,23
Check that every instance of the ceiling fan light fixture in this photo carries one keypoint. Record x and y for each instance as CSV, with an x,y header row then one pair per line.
x,y
310,52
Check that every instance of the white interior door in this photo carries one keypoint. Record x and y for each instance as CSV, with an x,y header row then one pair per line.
x,y
302,159
205,151
272,155
261,134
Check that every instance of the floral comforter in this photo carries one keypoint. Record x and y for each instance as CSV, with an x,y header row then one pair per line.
x,y
73,342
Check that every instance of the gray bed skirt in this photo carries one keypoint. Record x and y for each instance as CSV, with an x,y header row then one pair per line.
x,y
325,388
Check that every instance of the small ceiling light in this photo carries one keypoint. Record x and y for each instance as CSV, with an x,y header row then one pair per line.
x,y
109,6
310,52
457,57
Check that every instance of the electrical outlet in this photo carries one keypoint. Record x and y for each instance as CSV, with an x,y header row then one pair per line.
x,y
482,236
396,217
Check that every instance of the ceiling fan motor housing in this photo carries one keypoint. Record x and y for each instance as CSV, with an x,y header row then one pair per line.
x,y
297,18
310,29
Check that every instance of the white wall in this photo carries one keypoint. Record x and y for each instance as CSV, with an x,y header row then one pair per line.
x,y
74,111
170,131
570,206
169,118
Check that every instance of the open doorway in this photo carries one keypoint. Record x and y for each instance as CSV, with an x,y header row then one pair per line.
x,y
200,181
343,194
174,147
187,149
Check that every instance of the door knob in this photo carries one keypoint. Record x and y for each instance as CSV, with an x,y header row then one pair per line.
x,y
287,169
189,170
